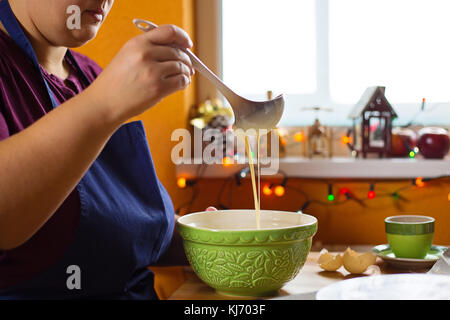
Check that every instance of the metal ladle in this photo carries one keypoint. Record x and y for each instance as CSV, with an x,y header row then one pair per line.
x,y
247,114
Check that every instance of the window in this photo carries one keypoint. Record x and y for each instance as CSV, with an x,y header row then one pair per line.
x,y
327,52
260,53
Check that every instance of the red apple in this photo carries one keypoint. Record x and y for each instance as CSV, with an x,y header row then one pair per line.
x,y
434,142
402,142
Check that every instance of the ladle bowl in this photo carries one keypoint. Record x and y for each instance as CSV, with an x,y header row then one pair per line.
x,y
248,114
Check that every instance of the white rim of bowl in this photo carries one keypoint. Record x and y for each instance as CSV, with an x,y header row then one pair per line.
x,y
243,210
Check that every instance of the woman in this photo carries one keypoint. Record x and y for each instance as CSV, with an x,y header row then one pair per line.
x,y
82,213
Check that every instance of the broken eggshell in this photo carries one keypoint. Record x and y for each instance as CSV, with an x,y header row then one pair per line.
x,y
357,263
328,261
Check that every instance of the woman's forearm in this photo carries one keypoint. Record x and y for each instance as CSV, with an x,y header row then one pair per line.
x,y
42,164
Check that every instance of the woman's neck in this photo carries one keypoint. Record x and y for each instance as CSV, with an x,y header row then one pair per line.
x,y
50,57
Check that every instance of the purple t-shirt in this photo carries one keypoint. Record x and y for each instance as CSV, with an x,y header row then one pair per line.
x,y
23,100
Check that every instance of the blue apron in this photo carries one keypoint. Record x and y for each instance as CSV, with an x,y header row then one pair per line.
x,y
126,220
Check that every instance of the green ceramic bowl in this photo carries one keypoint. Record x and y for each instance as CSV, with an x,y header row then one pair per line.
x,y
228,252
409,236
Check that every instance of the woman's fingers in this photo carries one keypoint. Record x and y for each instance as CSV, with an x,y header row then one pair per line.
x,y
169,35
175,76
172,68
175,83
211,209
165,53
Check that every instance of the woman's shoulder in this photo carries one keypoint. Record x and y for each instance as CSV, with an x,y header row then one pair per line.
x,y
87,65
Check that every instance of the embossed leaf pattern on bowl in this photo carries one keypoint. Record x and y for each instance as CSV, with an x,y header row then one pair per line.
x,y
259,268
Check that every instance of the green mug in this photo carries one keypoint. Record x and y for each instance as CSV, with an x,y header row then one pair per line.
x,y
409,236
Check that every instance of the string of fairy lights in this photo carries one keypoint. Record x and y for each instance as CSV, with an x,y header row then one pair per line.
x,y
336,192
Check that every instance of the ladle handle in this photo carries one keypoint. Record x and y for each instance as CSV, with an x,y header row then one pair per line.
x,y
145,26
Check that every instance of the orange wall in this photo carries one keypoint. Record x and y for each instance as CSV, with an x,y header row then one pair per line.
x,y
168,115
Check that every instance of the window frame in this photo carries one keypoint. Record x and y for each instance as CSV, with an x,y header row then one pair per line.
x,y
295,102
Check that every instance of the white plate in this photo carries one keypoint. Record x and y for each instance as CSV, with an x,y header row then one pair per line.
x,y
389,287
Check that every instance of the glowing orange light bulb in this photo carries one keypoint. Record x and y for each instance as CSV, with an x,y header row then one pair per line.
x,y
227,161
345,139
181,182
267,190
419,182
279,191
299,137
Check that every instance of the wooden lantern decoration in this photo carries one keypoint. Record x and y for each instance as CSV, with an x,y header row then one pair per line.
x,y
372,123
319,139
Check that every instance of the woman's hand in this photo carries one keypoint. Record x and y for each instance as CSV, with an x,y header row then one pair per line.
x,y
148,68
